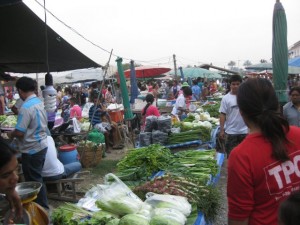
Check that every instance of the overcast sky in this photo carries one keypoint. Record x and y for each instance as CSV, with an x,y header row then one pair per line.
x,y
150,32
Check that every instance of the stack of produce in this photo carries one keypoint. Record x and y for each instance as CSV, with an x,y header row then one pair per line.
x,y
186,174
198,165
156,130
9,122
120,206
140,163
2,118
201,133
212,108
205,197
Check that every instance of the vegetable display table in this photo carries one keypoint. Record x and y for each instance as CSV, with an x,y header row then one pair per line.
x,y
214,180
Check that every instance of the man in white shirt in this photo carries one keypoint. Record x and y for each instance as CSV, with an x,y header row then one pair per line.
x,y
232,126
53,169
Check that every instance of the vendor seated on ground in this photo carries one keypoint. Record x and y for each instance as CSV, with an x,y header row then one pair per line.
x,y
149,109
180,107
53,169
75,109
100,120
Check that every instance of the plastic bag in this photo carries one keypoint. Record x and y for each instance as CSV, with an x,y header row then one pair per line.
x,y
151,123
134,219
159,137
167,216
76,125
164,123
169,201
145,139
114,196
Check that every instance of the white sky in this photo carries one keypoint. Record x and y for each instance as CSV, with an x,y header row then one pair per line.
x,y
197,31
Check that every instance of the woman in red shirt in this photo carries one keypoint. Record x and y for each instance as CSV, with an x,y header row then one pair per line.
x,y
264,169
149,109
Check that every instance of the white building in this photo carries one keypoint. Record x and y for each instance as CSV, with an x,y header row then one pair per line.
x,y
294,50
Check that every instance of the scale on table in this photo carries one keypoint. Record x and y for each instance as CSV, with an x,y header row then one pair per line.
x,y
33,213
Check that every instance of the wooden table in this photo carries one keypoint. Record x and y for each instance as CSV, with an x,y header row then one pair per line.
x,y
67,138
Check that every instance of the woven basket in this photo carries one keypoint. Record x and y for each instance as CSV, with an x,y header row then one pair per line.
x,y
90,156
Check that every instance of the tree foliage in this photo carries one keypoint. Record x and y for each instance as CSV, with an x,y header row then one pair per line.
x,y
231,64
247,63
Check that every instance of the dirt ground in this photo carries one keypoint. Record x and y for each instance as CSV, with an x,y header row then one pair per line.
x,y
222,185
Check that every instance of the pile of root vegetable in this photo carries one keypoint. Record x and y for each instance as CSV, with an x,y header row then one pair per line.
x,y
186,173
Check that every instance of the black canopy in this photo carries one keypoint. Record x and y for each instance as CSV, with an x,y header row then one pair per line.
x,y
23,44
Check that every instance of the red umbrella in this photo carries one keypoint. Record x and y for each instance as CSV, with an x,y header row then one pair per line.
x,y
147,71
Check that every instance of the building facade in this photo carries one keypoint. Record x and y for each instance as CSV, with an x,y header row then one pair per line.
x,y
294,50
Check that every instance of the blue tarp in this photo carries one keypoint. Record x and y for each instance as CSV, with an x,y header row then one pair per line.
x,y
295,62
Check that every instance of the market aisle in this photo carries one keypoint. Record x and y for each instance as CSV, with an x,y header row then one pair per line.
x,y
222,185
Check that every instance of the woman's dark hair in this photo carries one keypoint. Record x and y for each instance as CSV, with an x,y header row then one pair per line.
x,y
258,103
7,152
149,99
297,88
74,100
26,84
289,210
187,91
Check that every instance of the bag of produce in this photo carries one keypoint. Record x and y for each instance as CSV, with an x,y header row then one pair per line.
x,y
151,123
113,222
164,123
9,122
167,216
96,136
146,210
159,137
114,196
134,219
169,201
145,139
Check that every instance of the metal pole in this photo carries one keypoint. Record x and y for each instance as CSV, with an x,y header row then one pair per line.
x,y
175,67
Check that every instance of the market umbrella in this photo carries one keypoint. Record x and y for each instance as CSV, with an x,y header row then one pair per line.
x,y
280,52
134,92
127,110
147,71
195,72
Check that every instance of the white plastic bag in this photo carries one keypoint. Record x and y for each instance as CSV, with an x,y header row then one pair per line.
x,y
114,196
169,201
76,125
167,216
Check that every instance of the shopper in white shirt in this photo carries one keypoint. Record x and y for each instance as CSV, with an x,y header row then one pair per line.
x,y
53,169
233,129
180,108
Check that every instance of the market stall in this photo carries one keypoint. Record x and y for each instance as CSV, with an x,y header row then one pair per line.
x,y
154,169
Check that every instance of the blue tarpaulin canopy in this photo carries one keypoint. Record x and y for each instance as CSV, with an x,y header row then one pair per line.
x,y
295,62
